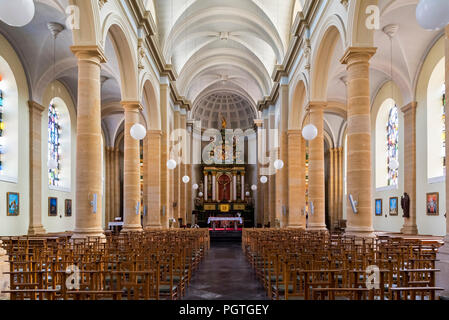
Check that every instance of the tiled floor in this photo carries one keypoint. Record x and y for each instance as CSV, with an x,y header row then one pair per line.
x,y
224,274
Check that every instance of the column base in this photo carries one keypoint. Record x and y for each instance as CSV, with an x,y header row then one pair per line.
x,y
360,232
442,263
153,226
296,226
35,230
85,233
316,227
413,229
132,228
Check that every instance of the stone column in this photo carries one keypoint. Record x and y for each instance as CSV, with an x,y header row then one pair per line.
x,y
165,152
183,169
108,186
331,190
442,279
131,170
271,170
296,180
88,220
177,171
214,182
144,174
35,226
189,187
116,155
234,186
242,190
265,189
281,175
339,193
359,141
154,180
409,111
316,169
205,185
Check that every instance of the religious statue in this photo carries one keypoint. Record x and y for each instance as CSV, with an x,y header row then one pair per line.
x,y
405,205
223,122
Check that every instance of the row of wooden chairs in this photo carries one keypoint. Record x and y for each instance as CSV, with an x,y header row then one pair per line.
x,y
298,264
155,264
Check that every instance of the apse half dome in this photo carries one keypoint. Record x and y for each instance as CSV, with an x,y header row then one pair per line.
x,y
233,108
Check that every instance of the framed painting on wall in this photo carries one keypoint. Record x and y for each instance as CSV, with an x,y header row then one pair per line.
x,y
68,207
12,204
378,206
432,205
52,207
393,206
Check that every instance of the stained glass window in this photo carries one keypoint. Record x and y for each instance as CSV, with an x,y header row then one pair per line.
x,y
443,127
392,144
54,147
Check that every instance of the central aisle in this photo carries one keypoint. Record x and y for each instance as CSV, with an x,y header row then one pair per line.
x,y
225,274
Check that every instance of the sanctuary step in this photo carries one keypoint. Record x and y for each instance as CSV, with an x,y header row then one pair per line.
x,y
225,235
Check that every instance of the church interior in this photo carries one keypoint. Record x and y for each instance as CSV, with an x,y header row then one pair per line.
x,y
150,148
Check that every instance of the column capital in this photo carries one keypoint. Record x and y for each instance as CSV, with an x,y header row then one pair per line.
x,y
88,52
358,54
35,107
316,106
411,107
132,105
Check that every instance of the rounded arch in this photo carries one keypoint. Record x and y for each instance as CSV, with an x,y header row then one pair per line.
x,y
150,102
125,50
88,32
297,105
332,32
358,34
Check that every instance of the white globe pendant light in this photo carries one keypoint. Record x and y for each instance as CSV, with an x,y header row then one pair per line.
x,y
254,187
186,179
394,164
247,193
263,179
200,194
195,187
433,14
278,164
17,13
171,164
309,132
138,131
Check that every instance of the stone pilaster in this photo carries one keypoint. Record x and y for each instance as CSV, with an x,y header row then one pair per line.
x,y
296,180
258,124
409,111
89,184
442,263
316,168
183,171
116,209
359,141
35,226
131,170
153,219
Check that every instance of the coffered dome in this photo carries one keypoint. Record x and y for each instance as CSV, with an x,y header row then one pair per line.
x,y
235,109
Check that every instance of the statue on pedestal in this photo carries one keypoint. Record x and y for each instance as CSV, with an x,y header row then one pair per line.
x,y
405,205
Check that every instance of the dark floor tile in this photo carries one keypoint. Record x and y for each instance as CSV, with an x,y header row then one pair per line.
x,y
225,275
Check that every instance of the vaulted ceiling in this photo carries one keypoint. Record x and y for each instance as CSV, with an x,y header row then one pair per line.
x,y
233,43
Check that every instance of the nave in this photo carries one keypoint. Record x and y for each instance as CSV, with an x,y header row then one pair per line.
x,y
182,264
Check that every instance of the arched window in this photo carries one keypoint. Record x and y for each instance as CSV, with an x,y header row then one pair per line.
x,y
387,144
54,146
392,144
9,124
436,132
